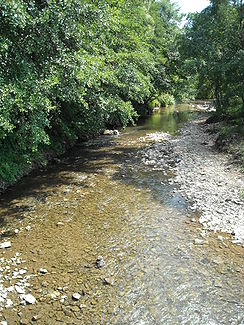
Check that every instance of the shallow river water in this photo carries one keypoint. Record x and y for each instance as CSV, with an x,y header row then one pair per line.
x,y
101,200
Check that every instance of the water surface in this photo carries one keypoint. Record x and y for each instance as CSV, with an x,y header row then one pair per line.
x,y
102,200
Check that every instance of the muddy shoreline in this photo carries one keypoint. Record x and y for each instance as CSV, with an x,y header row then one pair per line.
x,y
208,178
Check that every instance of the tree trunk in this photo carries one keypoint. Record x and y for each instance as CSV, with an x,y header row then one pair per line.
x,y
218,98
243,106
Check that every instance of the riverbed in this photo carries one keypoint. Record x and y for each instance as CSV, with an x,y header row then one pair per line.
x,y
120,235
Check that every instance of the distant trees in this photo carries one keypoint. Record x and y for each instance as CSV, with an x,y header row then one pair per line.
x,y
213,41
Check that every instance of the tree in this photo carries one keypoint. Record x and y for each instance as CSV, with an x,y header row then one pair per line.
x,y
70,68
213,41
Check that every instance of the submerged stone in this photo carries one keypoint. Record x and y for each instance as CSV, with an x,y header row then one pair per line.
x,y
100,262
76,296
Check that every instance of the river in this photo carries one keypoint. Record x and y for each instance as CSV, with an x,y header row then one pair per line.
x,y
101,203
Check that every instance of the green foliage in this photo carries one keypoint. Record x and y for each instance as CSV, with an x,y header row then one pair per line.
x,y
213,43
70,68
166,100
163,100
154,104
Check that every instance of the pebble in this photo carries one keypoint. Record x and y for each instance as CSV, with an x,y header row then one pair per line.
x,y
68,313
22,271
6,244
108,280
36,318
75,309
29,299
199,242
10,289
54,295
62,300
9,303
19,289
43,271
76,296
100,262
28,228
82,306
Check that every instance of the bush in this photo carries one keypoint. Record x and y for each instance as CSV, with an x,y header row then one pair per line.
x,y
166,100
154,104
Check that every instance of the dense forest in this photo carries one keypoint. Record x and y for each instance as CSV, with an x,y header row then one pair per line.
x,y
69,69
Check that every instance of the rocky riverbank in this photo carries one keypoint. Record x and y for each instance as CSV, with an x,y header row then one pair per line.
x,y
206,177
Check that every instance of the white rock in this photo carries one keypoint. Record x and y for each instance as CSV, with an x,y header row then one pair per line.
x,y
199,242
108,132
76,296
9,303
19,289
4,295
43,271
6,244
10,289
29,299
22,271
15,274
53,295
28,228
82,306
63,298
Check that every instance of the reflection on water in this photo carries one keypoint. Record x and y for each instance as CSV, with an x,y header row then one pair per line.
x,y
168,119
101,200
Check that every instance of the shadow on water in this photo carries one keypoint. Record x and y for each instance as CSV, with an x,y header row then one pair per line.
x,y
39,185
